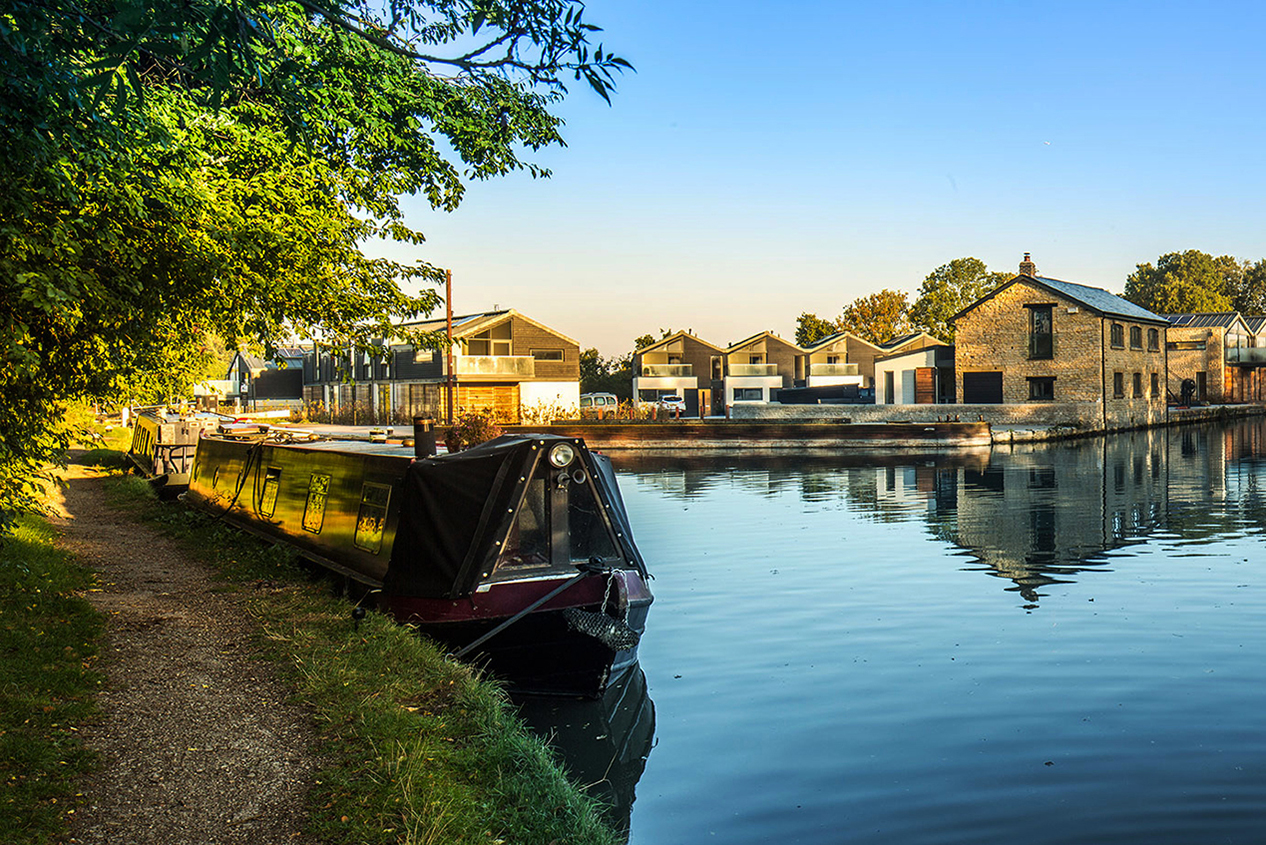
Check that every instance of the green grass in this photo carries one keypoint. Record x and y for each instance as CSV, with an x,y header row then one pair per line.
x,y
48,646
417,749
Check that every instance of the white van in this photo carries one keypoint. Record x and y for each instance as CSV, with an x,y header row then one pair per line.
x,y
597,404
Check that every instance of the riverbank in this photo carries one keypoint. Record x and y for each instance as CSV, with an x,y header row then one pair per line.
x,y
831,428
243,704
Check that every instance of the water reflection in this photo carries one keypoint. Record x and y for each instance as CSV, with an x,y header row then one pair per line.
x,y
603,744
1035,515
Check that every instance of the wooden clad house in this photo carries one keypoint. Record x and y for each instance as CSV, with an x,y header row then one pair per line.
x,y
504,363
680,365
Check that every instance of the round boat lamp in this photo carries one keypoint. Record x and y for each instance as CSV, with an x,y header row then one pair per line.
x,y
561,455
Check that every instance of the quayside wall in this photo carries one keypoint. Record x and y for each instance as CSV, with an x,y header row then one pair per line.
x,y
721,435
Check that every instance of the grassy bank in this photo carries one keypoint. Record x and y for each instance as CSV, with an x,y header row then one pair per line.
x,y
417,749
48,645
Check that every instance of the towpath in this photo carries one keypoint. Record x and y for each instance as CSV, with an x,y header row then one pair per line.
x,y
199,743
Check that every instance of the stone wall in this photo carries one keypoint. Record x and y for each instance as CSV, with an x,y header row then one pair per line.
x,y
1087,416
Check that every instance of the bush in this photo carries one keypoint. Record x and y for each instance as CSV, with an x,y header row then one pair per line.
x,y
471,429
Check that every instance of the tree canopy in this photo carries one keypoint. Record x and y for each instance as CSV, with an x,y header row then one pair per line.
x,y
877,317
1186,282
810,328
949,289
174,169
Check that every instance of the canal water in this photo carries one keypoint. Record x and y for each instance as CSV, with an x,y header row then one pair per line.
x,y
1061,643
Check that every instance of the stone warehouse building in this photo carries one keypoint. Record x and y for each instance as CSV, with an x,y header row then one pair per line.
x,y
1036,340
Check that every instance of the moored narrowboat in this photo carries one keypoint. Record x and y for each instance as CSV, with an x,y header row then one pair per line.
x,y
516,554
165,441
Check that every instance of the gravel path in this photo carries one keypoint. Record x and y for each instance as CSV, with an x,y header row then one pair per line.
x,y
199,743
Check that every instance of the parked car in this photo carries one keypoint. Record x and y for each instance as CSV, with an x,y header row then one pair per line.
x,y
672,403
598,404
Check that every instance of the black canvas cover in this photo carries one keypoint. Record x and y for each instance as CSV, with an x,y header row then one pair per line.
x,y
455,508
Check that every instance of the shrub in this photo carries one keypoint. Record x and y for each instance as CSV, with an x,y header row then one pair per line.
x,y
471,429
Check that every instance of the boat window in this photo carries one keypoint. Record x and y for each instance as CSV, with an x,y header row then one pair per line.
x,y
589,535
372,518
527,545
268,501
314,510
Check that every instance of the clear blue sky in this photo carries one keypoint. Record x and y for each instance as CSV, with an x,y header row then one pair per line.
x,y
769,159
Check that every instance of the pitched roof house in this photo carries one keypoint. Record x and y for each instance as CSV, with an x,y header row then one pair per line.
x,y
1035,339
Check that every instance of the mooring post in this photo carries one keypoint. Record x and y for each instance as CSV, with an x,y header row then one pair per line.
x,y
423,437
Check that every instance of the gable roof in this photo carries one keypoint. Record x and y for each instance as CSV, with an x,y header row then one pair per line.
x,y
1255,324
1096,299
1223,319
469,324
734,347
893,343
835,338
674,336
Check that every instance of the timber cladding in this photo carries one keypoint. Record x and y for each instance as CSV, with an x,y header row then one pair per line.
x,y
528,337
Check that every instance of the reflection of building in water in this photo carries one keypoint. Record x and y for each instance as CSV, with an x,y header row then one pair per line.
x,y
1041,515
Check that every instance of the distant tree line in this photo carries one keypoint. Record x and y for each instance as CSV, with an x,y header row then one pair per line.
x,y
1179,283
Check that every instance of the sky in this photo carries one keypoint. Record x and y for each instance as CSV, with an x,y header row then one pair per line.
x,y
770,159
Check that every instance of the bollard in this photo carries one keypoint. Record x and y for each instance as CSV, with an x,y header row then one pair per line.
x,y
423,437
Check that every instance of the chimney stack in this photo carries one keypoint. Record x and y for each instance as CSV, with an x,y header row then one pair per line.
x,y
1027,267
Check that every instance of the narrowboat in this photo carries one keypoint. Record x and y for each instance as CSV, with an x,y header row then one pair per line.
x,y
164,442
516,554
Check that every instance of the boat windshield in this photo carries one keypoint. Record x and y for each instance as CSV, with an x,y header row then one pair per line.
x,y
560,523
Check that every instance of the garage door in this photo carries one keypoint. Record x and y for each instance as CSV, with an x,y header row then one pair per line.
x,y
982,388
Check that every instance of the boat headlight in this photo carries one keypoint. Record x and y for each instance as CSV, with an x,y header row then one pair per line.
x,y
561,455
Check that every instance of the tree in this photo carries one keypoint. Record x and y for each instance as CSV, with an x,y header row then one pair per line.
x,y
949,289
1250,296
178,168
877,317
606,375
1185,282
810,328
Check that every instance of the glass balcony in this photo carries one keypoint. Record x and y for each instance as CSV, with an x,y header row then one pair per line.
x,y
833,370
666,370
1041,346
1254,355
520,366
738,370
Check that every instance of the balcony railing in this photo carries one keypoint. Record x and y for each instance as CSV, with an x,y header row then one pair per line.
x,y
1041,346
1246,355
753,370
666,370
833,370
521,366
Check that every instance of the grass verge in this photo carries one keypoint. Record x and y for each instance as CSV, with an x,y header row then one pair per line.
x,y
48,646
417,749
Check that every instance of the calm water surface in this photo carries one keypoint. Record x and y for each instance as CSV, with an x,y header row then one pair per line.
x,y
1055,644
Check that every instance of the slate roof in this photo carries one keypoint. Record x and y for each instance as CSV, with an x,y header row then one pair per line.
x,y
1100,300
1096,299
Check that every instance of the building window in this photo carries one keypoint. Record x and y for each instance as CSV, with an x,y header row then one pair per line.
x,y
1155,385
1138,385
716,368
547,354
755,359
1136,337
832,359
1118,336
1041,337
749,394
1118,385
1186,345
1042,389
1153,340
